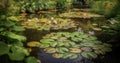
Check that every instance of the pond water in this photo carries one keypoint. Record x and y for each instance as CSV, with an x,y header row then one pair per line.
x,y
90,24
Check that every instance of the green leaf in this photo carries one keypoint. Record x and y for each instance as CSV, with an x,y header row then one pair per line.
x,y
66,55
73,56
7,23
18,56
47,41
60,44
89,54
75,34
18,28
75,39
72,43
66,44
44,45
62,50
12,18
33,44
32,60
53,44
1,29
19,49
19,43
4,49
15,36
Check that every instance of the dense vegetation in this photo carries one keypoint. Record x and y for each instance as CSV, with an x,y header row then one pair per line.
x,y
15,18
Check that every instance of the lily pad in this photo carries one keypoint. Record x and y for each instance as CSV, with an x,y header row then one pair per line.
x,y
32,60
33,44
4,49
71,46
89,54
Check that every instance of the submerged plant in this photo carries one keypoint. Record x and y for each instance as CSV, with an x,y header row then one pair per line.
x,y
70,45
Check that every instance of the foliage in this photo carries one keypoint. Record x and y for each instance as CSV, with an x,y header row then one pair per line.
x,y
62,5
33,44
115,12
33,6
70,45
103,7
32,60
79,14
4,49
11,38
48,24
111,32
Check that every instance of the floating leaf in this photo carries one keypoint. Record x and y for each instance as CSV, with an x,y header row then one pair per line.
x,y
62,50
72,43
53,44
19,43
89,54
75,50
44,45
60,44
74,56
46,41
50,50
32,60
18,56
77,43
66,44
55,55
1,29
86,49
4,49
18,28
15,36
12,18
67,55
33,44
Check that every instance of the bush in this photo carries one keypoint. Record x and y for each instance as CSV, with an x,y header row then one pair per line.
x,y
103,7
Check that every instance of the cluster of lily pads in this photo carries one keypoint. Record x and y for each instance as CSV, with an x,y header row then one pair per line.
x,y
79,14
48,24
71,45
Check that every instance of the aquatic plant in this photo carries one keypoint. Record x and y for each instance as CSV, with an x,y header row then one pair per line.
x,y
48,24
33,6
11,37
70,45
79,14
105,7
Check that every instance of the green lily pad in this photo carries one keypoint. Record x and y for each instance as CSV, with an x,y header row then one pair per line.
x,y
89,54
15,36
4,49
32,60
18,56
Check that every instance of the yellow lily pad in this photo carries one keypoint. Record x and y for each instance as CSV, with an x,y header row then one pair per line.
x,y
50,50
57,55
44,20
75,50
33,44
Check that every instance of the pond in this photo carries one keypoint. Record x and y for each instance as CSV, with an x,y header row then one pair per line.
x,y
84,22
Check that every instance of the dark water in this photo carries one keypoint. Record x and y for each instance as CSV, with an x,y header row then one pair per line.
x,y
85,24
